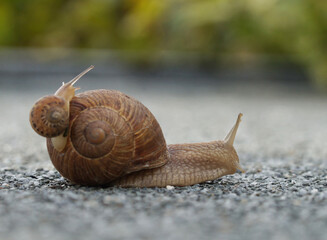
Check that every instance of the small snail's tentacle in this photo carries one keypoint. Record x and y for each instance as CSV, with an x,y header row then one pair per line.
x,y
67,90
75,79
229,139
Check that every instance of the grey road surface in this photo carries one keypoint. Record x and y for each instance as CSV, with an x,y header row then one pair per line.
x,y
281,144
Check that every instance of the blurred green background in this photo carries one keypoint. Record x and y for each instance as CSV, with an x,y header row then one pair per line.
x,y
210,31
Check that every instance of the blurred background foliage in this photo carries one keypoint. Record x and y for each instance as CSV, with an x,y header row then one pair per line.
x,y
208,30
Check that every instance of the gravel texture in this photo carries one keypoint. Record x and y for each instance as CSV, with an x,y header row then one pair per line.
x,y
281,145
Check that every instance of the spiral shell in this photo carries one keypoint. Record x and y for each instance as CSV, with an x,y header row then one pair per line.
x,y
110,135
49,117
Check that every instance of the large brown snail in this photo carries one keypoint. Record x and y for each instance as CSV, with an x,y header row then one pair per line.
x,y
104,137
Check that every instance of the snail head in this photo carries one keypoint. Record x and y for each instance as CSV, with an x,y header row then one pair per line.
x,y
49,116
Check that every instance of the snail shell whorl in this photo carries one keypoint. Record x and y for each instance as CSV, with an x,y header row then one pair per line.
x,y
49,117
110,135
92,134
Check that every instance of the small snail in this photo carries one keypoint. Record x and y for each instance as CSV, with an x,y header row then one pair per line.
x,y
104,137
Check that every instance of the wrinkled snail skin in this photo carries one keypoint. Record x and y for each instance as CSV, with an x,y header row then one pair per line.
x,y
188,164
113,139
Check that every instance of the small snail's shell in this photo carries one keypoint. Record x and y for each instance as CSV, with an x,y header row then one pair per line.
x,y
49,116
110,135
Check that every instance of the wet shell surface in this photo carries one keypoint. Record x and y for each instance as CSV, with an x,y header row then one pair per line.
x,y
110,135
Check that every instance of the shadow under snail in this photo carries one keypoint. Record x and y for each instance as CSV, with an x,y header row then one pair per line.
x,y
104,137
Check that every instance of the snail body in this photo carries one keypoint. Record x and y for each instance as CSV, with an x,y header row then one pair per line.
x,y
110,138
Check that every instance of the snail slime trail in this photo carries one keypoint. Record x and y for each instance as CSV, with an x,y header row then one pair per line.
x,y
104,137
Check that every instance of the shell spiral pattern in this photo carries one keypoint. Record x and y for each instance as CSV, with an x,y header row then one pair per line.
x,y
110,135
48,117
